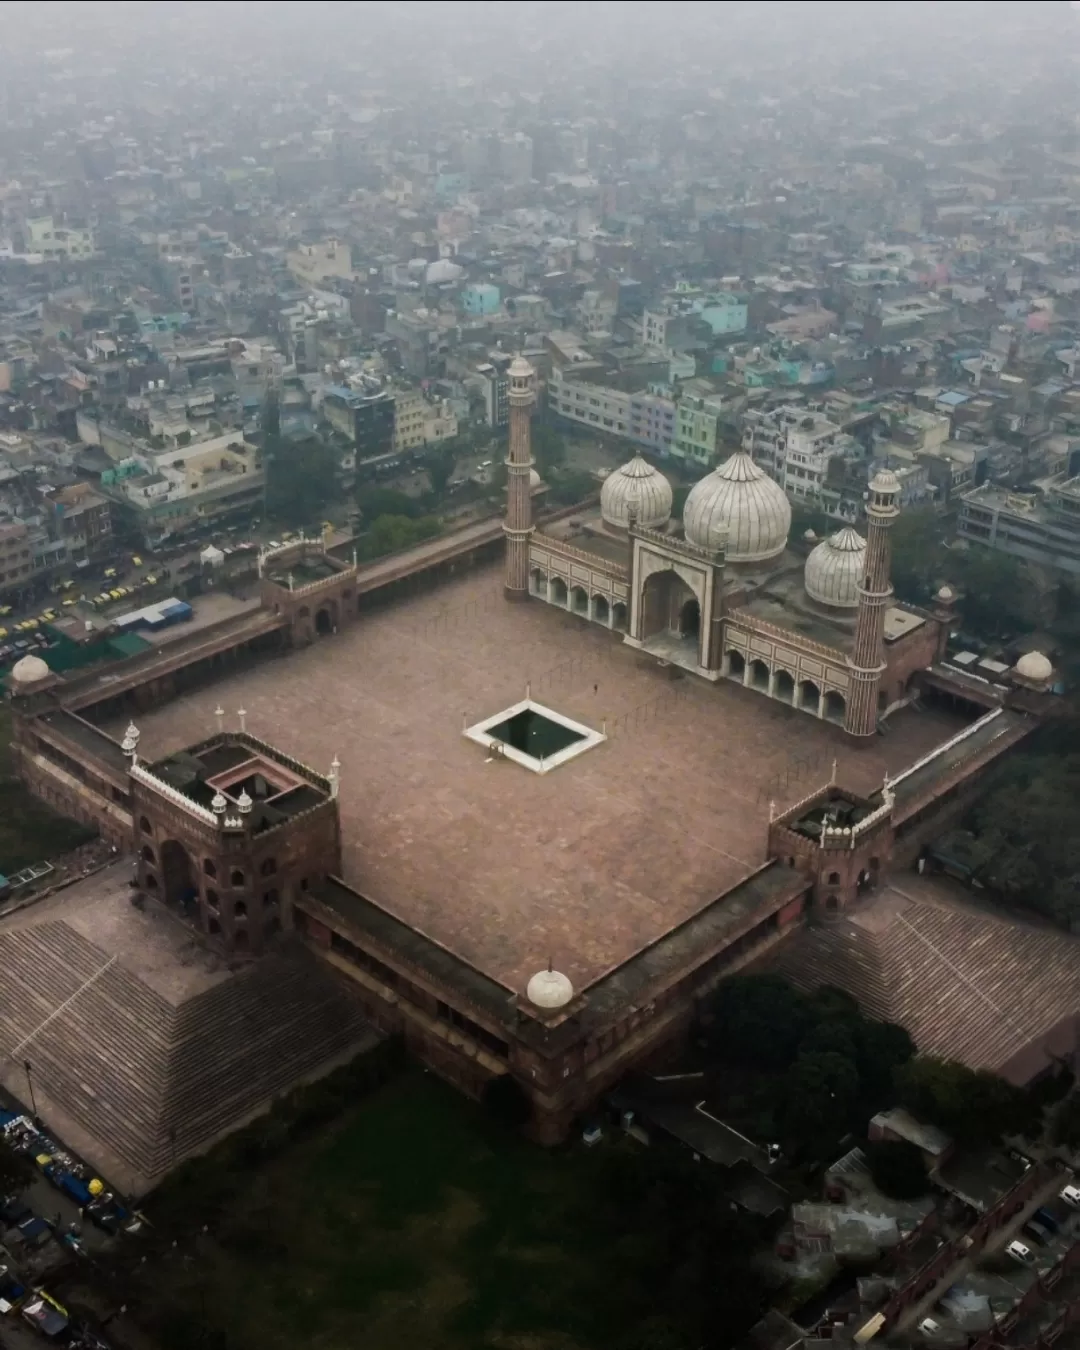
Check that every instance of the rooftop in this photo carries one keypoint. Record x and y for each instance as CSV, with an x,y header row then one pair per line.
x,y
587,864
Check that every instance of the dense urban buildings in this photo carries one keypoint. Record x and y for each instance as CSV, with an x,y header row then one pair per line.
x,y
512,515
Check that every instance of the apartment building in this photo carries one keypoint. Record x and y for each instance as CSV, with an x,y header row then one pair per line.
x,y
1041,526
644,416
796,445
418,422
15,560
697,427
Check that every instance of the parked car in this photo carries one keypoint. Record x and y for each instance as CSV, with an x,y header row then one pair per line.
x,y
1019,1251
1071,1196
928,1327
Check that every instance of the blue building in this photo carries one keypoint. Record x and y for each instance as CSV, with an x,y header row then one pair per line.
x,y
480,299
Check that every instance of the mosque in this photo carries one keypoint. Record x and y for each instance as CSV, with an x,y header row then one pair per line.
x,y
540,831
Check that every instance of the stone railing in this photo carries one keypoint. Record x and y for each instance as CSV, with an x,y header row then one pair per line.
x,y
322,583
683,546
596,563
750,621
939,750
174,795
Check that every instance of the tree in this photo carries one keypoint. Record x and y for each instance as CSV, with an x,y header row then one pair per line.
x,y
918,554
755,1020
301,479
898,1168
380,501
973,1105
507,1101
440,464
548,447
391,534
819,1094
569,486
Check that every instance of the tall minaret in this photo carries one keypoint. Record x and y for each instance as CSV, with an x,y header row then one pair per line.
x,y
517,526
866,663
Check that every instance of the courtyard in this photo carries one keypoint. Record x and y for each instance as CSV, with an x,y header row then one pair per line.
x,y
583,865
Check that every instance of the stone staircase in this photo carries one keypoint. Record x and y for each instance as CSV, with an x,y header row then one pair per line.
x,y
967,985
157,1081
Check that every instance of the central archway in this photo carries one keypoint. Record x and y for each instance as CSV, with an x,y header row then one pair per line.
x,y
324,622
666,602
178,874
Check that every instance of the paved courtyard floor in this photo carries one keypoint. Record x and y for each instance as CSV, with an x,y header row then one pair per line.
x,y
584,865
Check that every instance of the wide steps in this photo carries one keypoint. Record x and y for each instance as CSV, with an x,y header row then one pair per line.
x,y
154,1081
950,975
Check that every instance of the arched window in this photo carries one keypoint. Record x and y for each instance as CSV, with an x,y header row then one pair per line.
x,y
268,867
271,899
151,882
212,899
240,909
830,902
145,826
236,877
148,854
214,926
209,867
834,878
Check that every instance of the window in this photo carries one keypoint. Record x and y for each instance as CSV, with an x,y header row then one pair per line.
x,y
209,867
271,899
268,867
148,854
212,899
240,909
145,825
834,878
236,877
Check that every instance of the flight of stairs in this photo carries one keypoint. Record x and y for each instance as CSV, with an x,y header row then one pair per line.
x,y
966,985
156,1081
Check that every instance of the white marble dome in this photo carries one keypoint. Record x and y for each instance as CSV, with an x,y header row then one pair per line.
x,y
535,480
1032,666
549,989
835,568
638,483
742,500
29,670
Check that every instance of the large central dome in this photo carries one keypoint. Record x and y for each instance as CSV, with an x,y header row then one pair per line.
x,y
741,500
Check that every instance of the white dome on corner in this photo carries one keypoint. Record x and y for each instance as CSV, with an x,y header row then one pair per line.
x,y
30,670
535,480
835,568
636,483
1032,666
549,989
741,500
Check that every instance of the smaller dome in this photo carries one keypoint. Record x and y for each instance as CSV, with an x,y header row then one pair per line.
x,y
30,670
639,486
810,535
834,569
535,480
946,595
244,802
218,803
520,368
1035,667
549,989
885,481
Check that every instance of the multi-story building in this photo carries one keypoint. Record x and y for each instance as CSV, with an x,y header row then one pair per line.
x,y
1042,526
795,446
644,416
173,491
15,561
495,387
697,428
54,241
418,422
719,312
81,519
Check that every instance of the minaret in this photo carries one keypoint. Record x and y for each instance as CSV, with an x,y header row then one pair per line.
x,y
866,662
517,526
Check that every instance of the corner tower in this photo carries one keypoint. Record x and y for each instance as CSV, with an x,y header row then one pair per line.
x,y
517,526
866,662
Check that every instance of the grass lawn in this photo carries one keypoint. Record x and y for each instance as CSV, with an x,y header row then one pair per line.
x,y
30,831
413,1221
